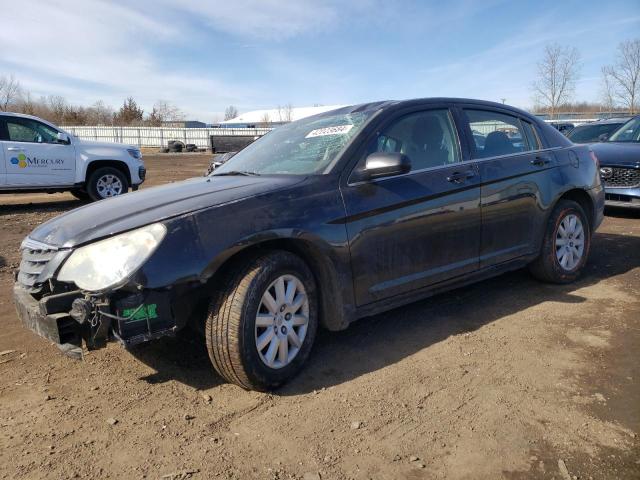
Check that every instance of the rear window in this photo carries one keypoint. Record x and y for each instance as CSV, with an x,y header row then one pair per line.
x,y
497,134
532,138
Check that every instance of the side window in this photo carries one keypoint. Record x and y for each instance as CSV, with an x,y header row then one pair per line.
x,y
532,138
25,130
496,133
427,138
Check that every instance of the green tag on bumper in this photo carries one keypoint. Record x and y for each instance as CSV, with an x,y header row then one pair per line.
x,y
144,312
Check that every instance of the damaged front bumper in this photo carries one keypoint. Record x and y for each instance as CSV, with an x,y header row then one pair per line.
x,y
71,319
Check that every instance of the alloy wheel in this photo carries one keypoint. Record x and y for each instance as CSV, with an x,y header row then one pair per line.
x,y
109,186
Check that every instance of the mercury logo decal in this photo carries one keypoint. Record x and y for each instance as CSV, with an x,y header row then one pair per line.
x,y
20,160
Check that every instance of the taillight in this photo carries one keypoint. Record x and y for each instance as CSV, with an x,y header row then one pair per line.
x,y
594,157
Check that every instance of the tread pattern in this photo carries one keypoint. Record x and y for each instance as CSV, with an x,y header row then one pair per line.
x,y
224,324
545,268
91,187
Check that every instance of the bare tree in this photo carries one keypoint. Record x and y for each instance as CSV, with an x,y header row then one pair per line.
x,y
288,112
9,92
57,106
164,111
100,114
26,104
607,93
285,113
168,112
625,74
230,112
266,119
557,74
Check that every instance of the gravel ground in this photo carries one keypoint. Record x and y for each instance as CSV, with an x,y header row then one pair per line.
x,y
509,378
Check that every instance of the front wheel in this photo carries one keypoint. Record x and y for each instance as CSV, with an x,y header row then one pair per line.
x,y
261,327
565,246
107,182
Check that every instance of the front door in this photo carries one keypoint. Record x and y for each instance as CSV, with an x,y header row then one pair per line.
x,y
420,228
513,169
33,156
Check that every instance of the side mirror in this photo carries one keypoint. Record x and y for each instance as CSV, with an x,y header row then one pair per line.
x,y
604,137
385,164
63,138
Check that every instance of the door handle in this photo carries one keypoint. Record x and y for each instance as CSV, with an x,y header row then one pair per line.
x,y
541,160
460,177
15,149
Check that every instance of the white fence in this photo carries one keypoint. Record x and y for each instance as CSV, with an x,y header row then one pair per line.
x,y
159,136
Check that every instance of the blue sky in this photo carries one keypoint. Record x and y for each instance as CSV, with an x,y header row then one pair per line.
x,y
203,56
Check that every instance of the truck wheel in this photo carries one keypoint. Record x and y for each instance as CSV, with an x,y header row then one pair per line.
x,y
565,246
81,195
107,182
260,328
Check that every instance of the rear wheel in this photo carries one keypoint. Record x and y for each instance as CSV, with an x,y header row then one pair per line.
x,y
107,182
261,328
565,246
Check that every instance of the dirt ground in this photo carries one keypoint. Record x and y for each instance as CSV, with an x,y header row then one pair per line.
x,y
509,378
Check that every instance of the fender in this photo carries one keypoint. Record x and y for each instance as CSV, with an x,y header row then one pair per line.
x,y
333,274
81,174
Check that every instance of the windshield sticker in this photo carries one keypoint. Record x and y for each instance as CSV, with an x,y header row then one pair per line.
x,y
337,130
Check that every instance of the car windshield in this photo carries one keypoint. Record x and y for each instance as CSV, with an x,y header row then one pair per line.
x,y
591,133
629,132
303,147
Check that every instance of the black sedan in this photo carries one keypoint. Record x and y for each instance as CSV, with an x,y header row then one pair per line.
x,y
321,222
619,160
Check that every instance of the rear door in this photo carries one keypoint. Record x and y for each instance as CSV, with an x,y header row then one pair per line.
x,y
33,156
514,170
413,230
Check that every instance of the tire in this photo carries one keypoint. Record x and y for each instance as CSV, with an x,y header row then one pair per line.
x,y
103,183
231,329
549,267
176,146
81,195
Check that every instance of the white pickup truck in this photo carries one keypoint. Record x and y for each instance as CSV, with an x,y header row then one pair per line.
x,y
38,156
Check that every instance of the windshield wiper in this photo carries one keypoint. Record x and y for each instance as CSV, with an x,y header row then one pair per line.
x,y
237,172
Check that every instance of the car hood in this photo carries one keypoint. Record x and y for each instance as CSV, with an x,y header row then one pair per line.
x,y
612,153
136,209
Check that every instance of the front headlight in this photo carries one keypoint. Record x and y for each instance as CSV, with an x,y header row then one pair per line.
x,y
106,263
134,153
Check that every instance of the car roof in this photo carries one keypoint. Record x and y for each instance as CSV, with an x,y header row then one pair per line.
x,y
32,117
610,120
22,115
398,104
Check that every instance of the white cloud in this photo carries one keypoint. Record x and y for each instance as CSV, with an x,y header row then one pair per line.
x,y
101,50
263,19
87,50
